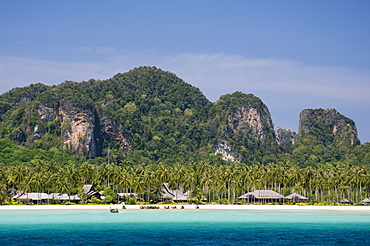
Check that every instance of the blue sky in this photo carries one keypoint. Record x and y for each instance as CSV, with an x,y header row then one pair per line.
x,y
292,54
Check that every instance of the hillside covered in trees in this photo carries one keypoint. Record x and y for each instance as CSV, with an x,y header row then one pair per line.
x,y
144,127
147,116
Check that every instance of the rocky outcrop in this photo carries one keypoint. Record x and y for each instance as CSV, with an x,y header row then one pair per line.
x,y
247,117
286,138
47,114
80,129
223,147
19,137
330,124
113,132
79,133
248,129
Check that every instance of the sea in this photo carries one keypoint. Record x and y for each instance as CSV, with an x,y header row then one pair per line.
x,y
183,227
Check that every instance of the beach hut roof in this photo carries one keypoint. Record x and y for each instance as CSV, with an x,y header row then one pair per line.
x,y
175,195
295,196
366,200
31,196
88,188
344,200
262,194
127,195
60,196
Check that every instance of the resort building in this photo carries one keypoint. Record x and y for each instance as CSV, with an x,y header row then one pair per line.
x,y
296,197
90,191
367,200
262,196
127,195
41,198
175,195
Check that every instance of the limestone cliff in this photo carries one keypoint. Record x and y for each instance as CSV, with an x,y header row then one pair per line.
x,y
329,126
286,138
223,147
248,128
114,133
247,117
148,115
79,133
79,129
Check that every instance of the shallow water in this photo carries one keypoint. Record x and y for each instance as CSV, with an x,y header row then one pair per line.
x,y
183,227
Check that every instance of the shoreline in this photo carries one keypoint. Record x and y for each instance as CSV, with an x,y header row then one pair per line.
x,y
187,206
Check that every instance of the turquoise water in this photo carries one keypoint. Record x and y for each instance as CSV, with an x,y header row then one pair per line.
x,y
183,227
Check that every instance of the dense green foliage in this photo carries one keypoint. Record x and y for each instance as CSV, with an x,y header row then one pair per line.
x,y
162,116
214,183
161,119
151,127
14,155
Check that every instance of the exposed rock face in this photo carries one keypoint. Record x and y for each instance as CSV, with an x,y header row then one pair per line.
x,y
112,132
286,139
79,128
20,137
327,122
79,134
46,114
249,128
36,133
248,117
224,148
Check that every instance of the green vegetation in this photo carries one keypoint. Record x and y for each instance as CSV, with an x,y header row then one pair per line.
x,y
136,130
326,184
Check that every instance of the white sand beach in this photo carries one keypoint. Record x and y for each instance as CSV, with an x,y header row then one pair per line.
x,y
187,206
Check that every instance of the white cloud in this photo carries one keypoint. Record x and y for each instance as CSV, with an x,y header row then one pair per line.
x,y
215,74
232,72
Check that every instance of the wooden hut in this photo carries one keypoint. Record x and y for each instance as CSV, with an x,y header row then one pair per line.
x,y
262,196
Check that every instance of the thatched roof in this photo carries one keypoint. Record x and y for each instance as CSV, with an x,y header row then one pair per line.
x,y
88,189
121,195
295,196
31,196
43,196
59,196
175,195
367,200
262,194
344,200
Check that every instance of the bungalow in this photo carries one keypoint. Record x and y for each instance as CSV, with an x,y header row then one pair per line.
x,y
33,197
295,197
40,198
63,197
175,195
90,191
262,196
344,201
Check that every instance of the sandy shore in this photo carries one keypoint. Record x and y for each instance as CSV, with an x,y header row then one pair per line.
x,y
201,207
